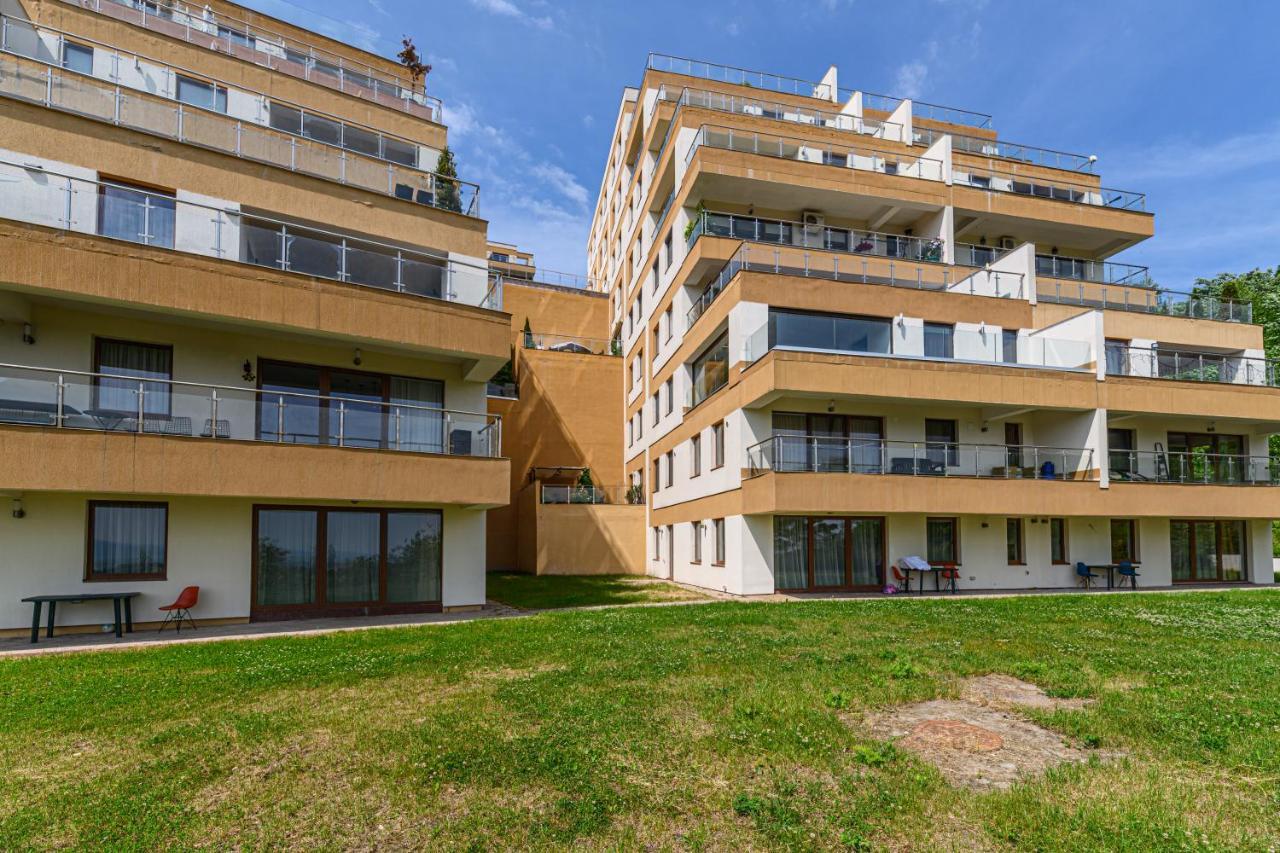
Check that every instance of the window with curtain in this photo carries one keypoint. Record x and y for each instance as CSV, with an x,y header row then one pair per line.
x,y
828,551
943,541
939,340
1013,541
128,369
415,425
790,552
127,540
1124,540
941,441
353,542
286,554
1117,357
136,214
790,448
718,524
1058,540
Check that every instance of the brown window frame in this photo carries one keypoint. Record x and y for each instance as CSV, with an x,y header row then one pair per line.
x,y
97,370
695,456
717,445
1021,527
696,558
90,576
718,530
955,538
1066,542
1134,543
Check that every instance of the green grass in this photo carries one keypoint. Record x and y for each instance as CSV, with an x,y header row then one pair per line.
x,y
547,592
709,727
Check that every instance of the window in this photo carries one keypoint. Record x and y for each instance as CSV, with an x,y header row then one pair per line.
x,y
657,543
127,212
667,317
128,369
1124,540
695,528
943,535
308,558
657,475
718,526
128,540
1117,355
1121,458
695,456
631,429
1009,346
711,369
835,332
198,93
670,458
940,442
670,389
939,340
717,445
1013,541
77,57
657,408
1058,540
639,425
666,251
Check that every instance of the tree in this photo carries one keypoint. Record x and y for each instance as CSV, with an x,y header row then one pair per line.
x,y
447,195
412,62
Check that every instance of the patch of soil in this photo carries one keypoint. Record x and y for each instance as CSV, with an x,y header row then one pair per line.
x,y
980,742
1005,691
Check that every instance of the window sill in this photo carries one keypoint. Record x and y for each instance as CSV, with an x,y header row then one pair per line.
x,y
124,578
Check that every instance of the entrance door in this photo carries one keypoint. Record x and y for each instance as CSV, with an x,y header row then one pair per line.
x,y
1206,457
1207,551
828,553
1013,445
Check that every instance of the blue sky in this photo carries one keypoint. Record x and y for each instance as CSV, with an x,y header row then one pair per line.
x,y
1180,100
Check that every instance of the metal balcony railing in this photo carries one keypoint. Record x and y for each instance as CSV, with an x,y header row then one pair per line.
x,y
798,234
235,37
572,344
778,111
1166,303
1056,190
1101,272
986,147
1192,468
786,454
1191,366
595,495
122,212
861,158
104,402
356,156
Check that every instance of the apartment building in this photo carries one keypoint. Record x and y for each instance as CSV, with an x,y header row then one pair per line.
x,y
245,329
857,328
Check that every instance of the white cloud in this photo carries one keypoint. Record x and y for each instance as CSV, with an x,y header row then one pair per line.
x,y
508,9
561,181
588,120
1182,158
733,28
910,80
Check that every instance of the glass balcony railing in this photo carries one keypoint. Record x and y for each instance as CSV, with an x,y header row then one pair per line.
x,y
68,399
538,275
1056,190
813,236
1102,272
121,212
348,154
815,151
1191,366
1167,303
811,454
572,344
235,37
777,111
985,147
591,495
1192,468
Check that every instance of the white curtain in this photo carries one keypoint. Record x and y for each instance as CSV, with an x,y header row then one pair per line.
x,y
129,539
421,431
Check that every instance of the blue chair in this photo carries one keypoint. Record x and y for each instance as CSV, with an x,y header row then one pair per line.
x,y
1127,570
1085,577
1048,471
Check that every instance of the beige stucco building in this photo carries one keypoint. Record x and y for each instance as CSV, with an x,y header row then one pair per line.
x,y
857,329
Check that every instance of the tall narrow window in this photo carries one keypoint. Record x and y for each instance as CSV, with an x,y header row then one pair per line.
x,y
657,475
128,540
198,93
695,456
135,214
717,445
1014,542
1058,540
711,369
940,442
132,375
1009,346
670,458
669,388
718,524
943,540
1124,540
695,529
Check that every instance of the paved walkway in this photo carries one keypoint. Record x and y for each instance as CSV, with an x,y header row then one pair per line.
x,y
21,646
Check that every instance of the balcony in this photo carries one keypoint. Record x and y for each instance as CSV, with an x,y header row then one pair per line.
x,y
1191,366
591,495
859,158
789,454
777,111
1165,303
991,180
40,197
76,400
320,146
983,146
572,344
1192,468
238,38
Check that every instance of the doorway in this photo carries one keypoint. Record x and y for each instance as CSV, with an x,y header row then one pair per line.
x,y
1208,551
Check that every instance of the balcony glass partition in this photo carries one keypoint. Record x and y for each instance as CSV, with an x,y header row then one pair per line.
x,y
1160,363
816,151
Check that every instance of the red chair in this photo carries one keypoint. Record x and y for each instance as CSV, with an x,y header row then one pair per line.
x,y
901,577
950,574
174,613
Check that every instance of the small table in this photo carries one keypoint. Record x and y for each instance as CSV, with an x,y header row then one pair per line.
x,y
1110,569
116,598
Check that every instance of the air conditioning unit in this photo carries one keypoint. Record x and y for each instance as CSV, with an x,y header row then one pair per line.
x,y
814,223
1008,244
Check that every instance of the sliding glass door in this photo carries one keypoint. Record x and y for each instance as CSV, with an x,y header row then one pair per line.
x,y
311,561
1207,551
828,553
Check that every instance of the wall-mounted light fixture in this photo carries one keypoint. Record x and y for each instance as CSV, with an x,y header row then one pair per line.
x,y
18,511
28,333
356,359
246,371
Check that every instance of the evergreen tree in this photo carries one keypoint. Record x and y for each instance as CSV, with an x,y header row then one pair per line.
x,y
448,196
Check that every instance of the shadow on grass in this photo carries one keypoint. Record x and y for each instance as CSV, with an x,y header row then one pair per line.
x,y
545,592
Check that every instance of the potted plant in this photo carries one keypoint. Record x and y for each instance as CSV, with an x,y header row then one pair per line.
x,y
528,334
585,489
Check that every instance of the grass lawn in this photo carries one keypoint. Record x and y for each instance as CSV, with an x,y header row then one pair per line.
x,y
545,592
719,726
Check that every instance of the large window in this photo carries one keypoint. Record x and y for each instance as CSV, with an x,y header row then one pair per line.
x,y
130,370
711,370
943,540
128,540
361,410
941,443
77,57
1058,551
825,443
1124,540
136,214
833,332
198,93
939,340
828,553
307,558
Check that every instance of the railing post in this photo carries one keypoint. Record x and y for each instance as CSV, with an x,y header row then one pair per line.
x,y
397,429
213,413
239,136
141,405
342,422
61,404
48,88
280,419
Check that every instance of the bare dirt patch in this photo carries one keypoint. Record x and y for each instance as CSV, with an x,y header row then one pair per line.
x,y
980,741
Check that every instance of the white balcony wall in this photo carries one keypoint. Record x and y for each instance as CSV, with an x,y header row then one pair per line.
x,y
205,225
1073,343
470,278
32,195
